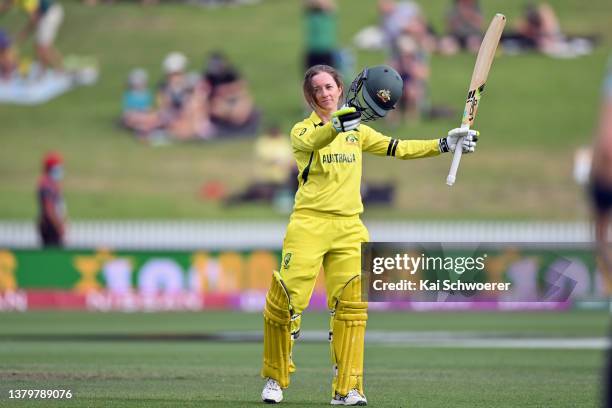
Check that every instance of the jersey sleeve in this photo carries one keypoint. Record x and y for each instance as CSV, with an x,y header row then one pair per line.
x,y
308,137
376,143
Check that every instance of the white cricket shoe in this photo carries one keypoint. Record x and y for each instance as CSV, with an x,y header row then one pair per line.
x,y
352,398
272,392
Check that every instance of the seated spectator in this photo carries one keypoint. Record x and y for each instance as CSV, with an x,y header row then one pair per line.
x,y
464,27
539,30
138,113
231,106
273,168
182,101
405,17
8,57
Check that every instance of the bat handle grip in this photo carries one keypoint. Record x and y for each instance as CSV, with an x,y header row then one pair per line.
x,y
452,174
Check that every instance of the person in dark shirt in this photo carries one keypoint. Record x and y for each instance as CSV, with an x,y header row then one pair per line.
x,y
320,20
52,211
232,110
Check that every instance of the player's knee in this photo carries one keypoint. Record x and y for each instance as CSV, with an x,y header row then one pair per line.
x,y
278,308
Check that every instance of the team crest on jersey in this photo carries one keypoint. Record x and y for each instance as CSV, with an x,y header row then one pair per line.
x,y
384,95
351,139
302,131
286,260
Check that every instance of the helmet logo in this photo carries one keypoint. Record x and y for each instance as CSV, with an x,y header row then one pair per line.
x,y
384,95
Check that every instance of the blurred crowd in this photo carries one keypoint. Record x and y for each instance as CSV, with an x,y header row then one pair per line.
x,y
186,105
411,39
215,102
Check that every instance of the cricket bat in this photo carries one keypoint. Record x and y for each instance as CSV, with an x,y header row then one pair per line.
x,y
486,53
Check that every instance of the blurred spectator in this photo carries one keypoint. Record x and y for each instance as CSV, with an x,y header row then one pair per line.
x,y
52,210
273,166
45,18
8,57
405,18
183,107
232,111
190,106
138,113
464,27
321,21
539,30
412,63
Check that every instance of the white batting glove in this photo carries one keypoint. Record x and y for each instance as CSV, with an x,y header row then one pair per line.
x,y
449,143
345,119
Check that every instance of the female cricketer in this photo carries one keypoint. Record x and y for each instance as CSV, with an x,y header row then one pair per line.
x,y
325,228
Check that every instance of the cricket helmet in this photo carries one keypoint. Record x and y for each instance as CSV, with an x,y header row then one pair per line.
x,y
375,91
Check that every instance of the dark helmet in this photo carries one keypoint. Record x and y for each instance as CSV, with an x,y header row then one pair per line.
x,y
375,91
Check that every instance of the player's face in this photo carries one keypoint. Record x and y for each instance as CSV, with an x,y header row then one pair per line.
x,y
326,91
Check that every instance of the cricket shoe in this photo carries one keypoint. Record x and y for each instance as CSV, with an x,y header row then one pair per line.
x,y
272,392
352,398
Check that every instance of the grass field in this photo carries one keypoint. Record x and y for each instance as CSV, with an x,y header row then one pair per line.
x,y
64,350
537,110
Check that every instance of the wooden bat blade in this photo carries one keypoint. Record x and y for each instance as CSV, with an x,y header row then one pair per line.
x,y
484,60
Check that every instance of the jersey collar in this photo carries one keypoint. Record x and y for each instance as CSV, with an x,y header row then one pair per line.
x,y
316,119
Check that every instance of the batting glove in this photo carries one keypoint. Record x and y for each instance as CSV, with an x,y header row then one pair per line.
x,y
346,119
449,143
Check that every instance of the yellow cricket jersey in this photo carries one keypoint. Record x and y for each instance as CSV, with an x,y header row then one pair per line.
x,y
29,6
329,163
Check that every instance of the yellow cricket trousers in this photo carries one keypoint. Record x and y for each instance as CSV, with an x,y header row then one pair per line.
x,y
314,239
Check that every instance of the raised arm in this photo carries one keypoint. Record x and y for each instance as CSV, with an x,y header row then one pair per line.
x,y
381,145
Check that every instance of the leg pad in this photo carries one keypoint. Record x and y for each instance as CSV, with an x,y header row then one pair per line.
x,y
277,333
348,324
